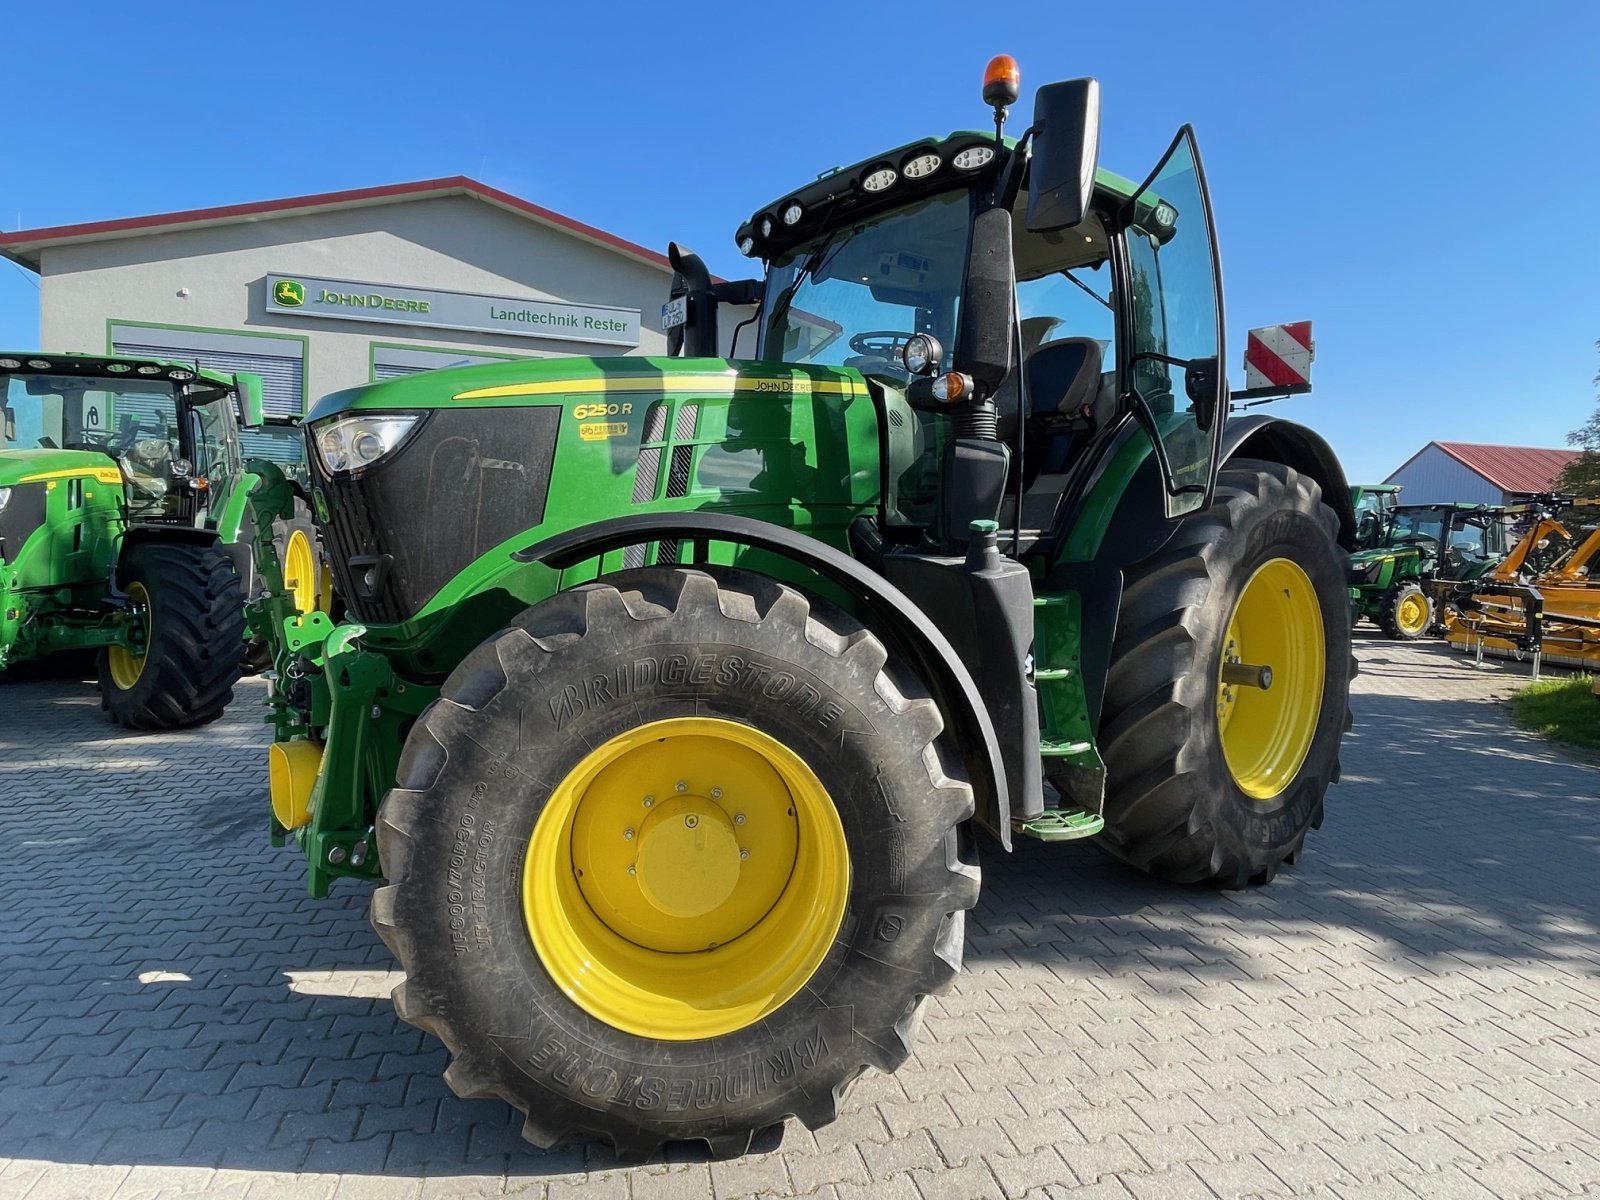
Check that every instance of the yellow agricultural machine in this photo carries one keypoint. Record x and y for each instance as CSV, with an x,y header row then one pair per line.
x,y
1543,599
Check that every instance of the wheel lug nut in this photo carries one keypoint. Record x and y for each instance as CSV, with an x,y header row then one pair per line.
x,y
682,786
716,793
744,853
627,835
738,818
691,820
649,800
633,870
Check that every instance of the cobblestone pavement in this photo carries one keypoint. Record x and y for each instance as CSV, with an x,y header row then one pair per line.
x,y
1413,1011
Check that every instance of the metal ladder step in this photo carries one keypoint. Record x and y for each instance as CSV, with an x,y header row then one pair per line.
x,y
1061,825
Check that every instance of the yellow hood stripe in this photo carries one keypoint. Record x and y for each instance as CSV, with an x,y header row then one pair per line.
x,y
99,474
727,384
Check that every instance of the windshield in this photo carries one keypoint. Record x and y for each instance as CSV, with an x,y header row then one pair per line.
x,y
73,412
854,296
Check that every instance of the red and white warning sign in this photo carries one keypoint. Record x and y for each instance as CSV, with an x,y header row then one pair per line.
x,y
1277,358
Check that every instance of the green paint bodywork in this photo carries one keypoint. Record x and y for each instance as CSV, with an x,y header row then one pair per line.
x,y
65,518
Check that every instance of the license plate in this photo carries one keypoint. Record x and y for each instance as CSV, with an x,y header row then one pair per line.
x,y
675,312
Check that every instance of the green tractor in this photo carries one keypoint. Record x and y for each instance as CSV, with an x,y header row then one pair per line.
x,y
1405,549
122,507
675,691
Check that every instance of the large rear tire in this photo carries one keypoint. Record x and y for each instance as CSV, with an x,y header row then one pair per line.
x,y
190,604
1209,780
677,856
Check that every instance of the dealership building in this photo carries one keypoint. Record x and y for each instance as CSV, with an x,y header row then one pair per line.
x,y
317,293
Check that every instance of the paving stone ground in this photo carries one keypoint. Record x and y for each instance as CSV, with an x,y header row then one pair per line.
x,y
1413,1011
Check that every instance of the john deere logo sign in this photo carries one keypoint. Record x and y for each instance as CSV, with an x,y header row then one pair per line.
x,y
306,297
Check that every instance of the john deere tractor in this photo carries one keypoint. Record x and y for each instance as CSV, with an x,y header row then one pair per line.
x,y
122,506
1405,549
675,691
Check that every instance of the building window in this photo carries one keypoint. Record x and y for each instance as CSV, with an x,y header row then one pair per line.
x,y
393,362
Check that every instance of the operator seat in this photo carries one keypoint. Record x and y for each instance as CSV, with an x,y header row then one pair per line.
x,y
1069,399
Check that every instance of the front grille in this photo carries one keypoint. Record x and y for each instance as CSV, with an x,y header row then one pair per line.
x,y
23,513
467,480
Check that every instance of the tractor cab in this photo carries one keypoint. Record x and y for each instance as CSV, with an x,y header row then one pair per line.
x,y
169,430
1016,311
1454,541
1374,505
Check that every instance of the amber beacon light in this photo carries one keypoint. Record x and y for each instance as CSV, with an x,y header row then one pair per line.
x,y
1002,81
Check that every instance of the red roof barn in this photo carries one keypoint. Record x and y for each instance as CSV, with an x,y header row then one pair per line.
x,y
1442,472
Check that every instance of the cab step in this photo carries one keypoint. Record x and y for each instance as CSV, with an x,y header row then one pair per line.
x,y
1061,825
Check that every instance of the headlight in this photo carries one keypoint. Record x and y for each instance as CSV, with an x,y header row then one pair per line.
x,y
880,179
351,443
5,498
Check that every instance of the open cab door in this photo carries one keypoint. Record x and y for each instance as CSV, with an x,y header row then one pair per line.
x,y
1172,308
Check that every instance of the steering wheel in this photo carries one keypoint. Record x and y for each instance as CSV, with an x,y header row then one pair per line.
x,y
880,343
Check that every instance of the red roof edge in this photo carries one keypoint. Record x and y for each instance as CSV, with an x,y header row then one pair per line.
x,y
21,239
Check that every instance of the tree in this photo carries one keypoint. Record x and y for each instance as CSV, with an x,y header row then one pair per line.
x,y
1581,476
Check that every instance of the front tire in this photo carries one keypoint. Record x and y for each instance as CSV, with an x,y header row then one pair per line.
x,y
1215,781
190,606
677,856
1407,612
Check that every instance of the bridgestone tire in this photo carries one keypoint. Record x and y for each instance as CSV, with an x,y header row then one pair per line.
x,y
1173,807
196,629
1389,617
520,712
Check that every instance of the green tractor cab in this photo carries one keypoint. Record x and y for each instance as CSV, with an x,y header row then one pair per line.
x,y
674,692
122,503
1414,545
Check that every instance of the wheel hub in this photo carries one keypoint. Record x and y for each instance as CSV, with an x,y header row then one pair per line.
x,y
688,858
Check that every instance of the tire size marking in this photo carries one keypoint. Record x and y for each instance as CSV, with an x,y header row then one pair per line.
x,y
468,876
755,1075
728,673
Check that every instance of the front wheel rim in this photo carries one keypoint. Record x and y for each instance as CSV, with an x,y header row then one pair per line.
x,y
1266,734
686,879
300,572
125,665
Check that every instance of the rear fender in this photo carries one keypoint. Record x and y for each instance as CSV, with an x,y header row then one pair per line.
x,y
1276,440
890,613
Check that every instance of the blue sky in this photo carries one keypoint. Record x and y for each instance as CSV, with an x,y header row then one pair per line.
x,y
1422,181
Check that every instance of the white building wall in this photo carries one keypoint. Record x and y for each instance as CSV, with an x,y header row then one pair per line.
x,y
214,278
1434,477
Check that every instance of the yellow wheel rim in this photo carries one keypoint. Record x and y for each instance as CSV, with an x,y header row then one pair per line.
x,y
126,665
300,572
1266,733
1411,615
686,879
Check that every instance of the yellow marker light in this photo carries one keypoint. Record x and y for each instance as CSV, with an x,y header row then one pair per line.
x,y
1002,81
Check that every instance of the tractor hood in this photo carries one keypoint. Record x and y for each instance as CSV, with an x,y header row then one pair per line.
x,y
499,456
554,380
37,466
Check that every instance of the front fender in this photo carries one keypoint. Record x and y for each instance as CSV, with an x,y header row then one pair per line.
x,y
892,615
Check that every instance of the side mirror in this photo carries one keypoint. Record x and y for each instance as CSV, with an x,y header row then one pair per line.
x,y
247,391
1066,147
